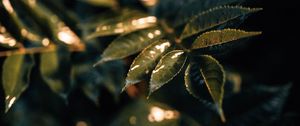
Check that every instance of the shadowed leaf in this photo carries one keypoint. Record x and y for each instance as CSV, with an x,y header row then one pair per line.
x,y
145,62
217,37
212,78
15,77
267,110
129,44
167,68
214,17
197,6
55,69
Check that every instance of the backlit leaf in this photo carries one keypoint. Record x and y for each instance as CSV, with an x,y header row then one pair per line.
x,y
213,17
15,77
167,68
125,23
197,6
214,77
104,3
218,37
55,28
6,40
55,69
145,62
131,43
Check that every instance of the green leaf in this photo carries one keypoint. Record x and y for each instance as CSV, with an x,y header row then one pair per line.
x,y
103,3
218,37
214,78
55,69
131,43
15,77
145,62
55,28
214,17
167,68
198,6
127,22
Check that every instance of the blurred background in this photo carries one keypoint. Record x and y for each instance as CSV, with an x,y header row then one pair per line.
x,y
266,67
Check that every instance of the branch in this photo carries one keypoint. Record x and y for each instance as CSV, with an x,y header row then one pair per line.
x,y
50,48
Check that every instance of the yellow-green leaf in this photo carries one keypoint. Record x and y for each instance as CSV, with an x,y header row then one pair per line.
x,y
145,62
103,3
214,78
214,17
218,37
131,43
15,77
126,23
55,28
55,69
167,68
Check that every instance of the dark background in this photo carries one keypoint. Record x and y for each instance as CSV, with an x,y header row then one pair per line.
x,y
271,58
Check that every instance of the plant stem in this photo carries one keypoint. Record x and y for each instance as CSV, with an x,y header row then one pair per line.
x,y
50,48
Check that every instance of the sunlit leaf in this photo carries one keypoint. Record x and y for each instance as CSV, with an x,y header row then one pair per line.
x,y
125,23
131,43
103,3
55,70
218,37
55,28
15,77
213,17
6,40
19,26
214,77
197,6
145,62
167,68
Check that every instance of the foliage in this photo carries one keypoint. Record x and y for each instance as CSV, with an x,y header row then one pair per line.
x,y
64,48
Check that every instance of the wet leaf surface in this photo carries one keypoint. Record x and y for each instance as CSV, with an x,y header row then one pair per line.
x,y
167,68
131,43
146,61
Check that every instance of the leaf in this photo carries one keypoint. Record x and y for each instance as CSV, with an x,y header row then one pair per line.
x,y
6,40
214,17
200,88
214,77
145,62
55,28
104,3
15,77
197,6
195,84
129,44
126,23
20,28
167,68
218,37
55,70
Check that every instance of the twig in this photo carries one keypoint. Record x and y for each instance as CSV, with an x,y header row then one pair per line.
x,y
50,48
